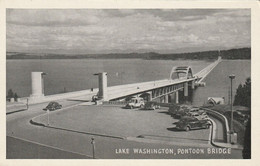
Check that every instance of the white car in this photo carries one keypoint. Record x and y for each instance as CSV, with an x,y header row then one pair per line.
x,y
135,102
199,115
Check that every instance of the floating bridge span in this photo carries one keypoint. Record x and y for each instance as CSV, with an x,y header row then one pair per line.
x,y
180,79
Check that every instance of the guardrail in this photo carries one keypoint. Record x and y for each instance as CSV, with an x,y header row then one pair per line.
x,y
129,89
223,119
121,103
59,96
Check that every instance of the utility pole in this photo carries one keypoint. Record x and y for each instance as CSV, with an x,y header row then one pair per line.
x,y
231,102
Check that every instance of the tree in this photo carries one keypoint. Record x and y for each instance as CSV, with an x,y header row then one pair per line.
x,y
10,94
16,96
243,94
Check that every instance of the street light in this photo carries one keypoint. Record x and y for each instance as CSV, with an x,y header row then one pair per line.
x,y
232,76
93,146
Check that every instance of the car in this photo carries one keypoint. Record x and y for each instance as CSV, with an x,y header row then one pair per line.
x,y
199,114
151,105
173,109
135,102
184,109
95,98
189,123
53,106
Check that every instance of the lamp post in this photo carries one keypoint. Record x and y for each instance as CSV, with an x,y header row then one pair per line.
x,y
232,76
93,146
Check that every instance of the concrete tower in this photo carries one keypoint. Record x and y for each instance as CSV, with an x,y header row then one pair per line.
x,y
102,85
37,84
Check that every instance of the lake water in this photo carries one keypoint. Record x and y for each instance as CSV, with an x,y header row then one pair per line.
x,y
77,74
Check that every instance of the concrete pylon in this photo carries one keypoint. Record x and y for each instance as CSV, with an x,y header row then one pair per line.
x,y
161,99
186,89
150,97
102,85
166,99
193,84
177,97
37,84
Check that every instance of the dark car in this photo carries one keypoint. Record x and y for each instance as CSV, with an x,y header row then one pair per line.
x,y
184,109
189,123
151,105
53,106
173,109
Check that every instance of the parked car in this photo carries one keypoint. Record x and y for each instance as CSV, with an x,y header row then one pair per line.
x,y
135,102
151,105
53,106
173,109
198,115
189,123
184,109
95,98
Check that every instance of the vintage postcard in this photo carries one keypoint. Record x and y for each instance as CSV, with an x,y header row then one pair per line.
x,y
167,80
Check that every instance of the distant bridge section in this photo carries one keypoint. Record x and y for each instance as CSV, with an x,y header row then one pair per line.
x,y
204,72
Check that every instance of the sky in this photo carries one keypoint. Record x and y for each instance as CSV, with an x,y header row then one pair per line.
x,y
88,31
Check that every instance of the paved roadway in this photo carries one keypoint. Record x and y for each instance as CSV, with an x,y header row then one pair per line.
x,y
61,144
23,149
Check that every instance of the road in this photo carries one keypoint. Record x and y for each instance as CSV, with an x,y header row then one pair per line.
x,y
61,144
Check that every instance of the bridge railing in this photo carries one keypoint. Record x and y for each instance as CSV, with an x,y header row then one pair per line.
x,y
142,87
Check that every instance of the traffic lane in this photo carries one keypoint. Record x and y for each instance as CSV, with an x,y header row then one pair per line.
x,y
220,128
16,121
39,108
21,149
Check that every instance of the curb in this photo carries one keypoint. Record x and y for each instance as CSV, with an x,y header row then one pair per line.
x,y
221,144
37,124
33,122
16,111
75,131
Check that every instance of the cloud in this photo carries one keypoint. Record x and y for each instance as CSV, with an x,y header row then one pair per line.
x,y
47,17
110,30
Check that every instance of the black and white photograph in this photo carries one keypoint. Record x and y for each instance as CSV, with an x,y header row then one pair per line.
x,y
128,83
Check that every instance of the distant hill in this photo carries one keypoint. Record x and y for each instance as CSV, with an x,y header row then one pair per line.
x,y
240,53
